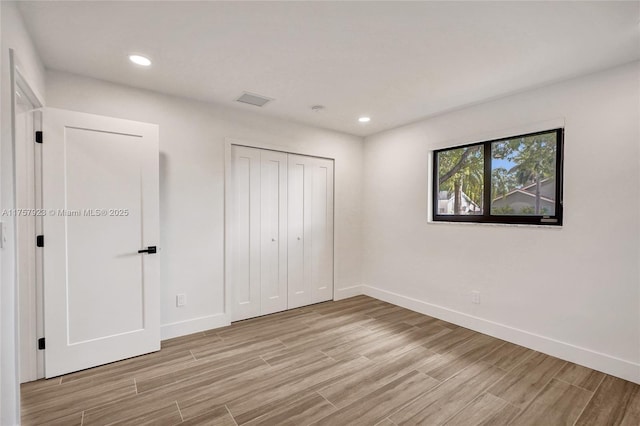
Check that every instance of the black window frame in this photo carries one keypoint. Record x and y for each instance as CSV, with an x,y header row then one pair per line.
x,y
487,217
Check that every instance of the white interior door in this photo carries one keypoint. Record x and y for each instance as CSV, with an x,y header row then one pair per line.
x,y
100,193
273,230
245,243
310,261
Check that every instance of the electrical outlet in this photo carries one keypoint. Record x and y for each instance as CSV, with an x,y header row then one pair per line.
x,y
475,297
181,300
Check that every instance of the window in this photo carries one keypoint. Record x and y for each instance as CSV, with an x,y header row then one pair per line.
x,y
511,180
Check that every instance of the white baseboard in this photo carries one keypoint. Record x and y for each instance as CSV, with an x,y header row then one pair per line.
x,y
624,369
195,325
346,292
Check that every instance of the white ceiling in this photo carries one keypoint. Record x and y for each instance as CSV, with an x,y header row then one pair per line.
x,y
394,61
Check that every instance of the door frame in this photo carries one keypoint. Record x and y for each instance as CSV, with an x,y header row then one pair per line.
x,y
30,310
228,214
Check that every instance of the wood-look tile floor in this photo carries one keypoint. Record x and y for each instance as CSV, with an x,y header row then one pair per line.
x,y
358,361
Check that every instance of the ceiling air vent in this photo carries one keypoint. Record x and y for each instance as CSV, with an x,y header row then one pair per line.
x,y
253,99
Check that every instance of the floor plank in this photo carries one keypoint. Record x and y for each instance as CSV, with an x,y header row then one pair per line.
x,y
150,413
478,411
445,342
252,406
381,403
502,417
72,398
351,388
385,422
559,403
508,356
523,383
438,405
580,376
199,399
204,369
219,416
304,410
616,402
461,356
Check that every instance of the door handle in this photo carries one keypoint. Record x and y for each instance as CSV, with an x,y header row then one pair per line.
x,y
150,250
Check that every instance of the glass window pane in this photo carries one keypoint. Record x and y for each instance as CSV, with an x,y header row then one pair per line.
x,y
523,174
461,181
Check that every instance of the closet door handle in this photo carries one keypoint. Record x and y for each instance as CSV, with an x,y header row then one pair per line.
x,y
150,250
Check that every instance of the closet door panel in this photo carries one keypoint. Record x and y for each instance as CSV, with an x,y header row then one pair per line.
x,y
322,231
299,291
245,268
273,211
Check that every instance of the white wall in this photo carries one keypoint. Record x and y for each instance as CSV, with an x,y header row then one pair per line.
x,y
571,292
14,36
192,143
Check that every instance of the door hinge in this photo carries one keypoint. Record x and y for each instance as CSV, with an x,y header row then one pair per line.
x,y
40,241
41,343
39,137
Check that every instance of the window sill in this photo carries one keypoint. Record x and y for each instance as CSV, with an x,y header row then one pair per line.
x,y
509,225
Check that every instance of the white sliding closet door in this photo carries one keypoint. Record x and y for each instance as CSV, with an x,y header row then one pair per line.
x,y
245,249
273,220
310,223
259,229
299,228
322,231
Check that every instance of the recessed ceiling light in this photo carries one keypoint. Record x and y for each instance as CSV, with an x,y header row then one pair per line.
x,y
364,119
140,60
